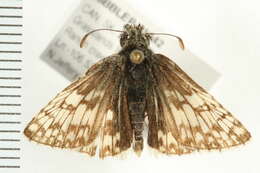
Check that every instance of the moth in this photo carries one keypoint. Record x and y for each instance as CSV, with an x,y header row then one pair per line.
x,y
106,109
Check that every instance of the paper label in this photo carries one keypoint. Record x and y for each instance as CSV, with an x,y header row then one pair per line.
x,y
65,55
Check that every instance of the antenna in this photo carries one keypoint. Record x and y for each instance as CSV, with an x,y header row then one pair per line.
x,y
181,44
85,37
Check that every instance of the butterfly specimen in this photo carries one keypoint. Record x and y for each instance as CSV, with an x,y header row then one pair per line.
x,y
106,109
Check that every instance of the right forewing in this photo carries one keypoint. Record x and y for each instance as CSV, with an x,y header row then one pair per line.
x,y
184,117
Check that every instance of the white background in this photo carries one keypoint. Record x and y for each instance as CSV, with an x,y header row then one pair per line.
x,y
225,34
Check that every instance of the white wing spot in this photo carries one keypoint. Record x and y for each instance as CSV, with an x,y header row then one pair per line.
x,y
74,98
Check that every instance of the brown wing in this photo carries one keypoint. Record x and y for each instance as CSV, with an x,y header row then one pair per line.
x,y
86,113
184,117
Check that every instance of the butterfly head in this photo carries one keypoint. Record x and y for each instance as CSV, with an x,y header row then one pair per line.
x,y
134,35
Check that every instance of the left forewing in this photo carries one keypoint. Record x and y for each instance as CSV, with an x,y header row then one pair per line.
x,y
187,118
84,115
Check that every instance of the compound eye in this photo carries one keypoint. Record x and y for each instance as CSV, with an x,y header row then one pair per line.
x,y
137,56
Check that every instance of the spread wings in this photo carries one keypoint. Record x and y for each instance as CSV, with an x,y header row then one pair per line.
x,y
92,113
183,117
87,114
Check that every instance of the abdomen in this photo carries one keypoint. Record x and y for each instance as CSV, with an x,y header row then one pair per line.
x,y
136,97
